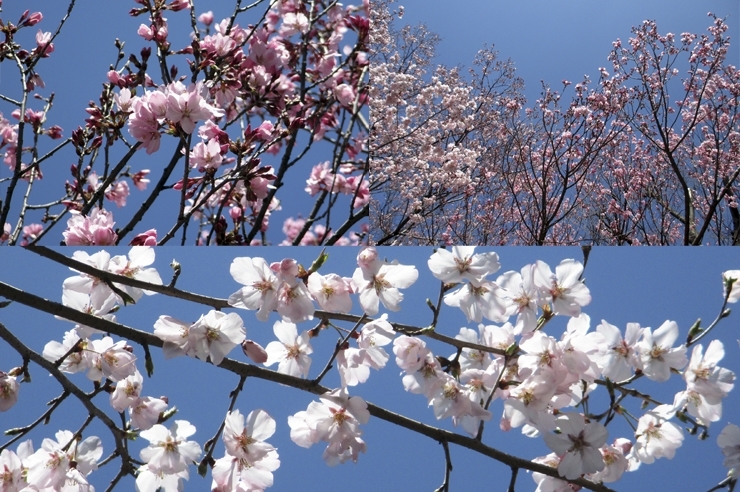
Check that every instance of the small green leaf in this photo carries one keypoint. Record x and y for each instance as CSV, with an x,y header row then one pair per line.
x,y
149,364
318,262
13,432
203,468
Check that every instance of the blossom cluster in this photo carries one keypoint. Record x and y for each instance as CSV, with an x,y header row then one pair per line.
x,y
61,464
296,76
543,382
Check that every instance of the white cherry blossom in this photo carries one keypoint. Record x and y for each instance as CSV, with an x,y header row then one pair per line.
x,y
568,293
578,445
260,286
169,451
380,281
460,263
291,352
656,436
657,356
735,292
729,441
479,300
8,391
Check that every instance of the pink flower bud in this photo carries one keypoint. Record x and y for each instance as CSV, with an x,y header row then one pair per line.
x,y
206,18
236,213
178,5
148,238
254,351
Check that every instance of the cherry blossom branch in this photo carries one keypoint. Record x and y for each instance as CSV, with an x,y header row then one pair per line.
x,y
223,303
445,487
210,445
70,387
19,432
247,370
154,194
340,344
728,482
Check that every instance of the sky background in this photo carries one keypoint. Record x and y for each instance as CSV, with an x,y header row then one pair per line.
x,y
75,72
644,285
555,40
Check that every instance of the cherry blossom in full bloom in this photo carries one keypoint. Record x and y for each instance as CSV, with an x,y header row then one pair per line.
x,y
378,281
656,436
568,292
291,351
657,356
95,229
51,465
460,263
169,451
336,419
354,363
729,441
260,286
249,461
214,335
578,445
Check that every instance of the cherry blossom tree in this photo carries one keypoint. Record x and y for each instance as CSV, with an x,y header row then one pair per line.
x,y
646,155
228,115
595,403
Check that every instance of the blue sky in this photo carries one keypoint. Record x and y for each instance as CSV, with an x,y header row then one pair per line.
x,y
555,40
75,72
641,285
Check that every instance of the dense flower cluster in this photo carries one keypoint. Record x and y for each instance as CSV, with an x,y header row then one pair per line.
x,y
541,382
275,83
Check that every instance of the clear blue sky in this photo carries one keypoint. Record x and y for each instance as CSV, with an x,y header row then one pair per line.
x,y
75,72
627,285
555,40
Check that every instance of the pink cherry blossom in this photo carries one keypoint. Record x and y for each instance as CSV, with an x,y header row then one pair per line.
x,y
189,107
567,291
12,479
95,229
206,156
621,358
43,41
411,352
335,419
148,238
215,334
705,375
331,292
206,18
135,266
146,411
140,180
